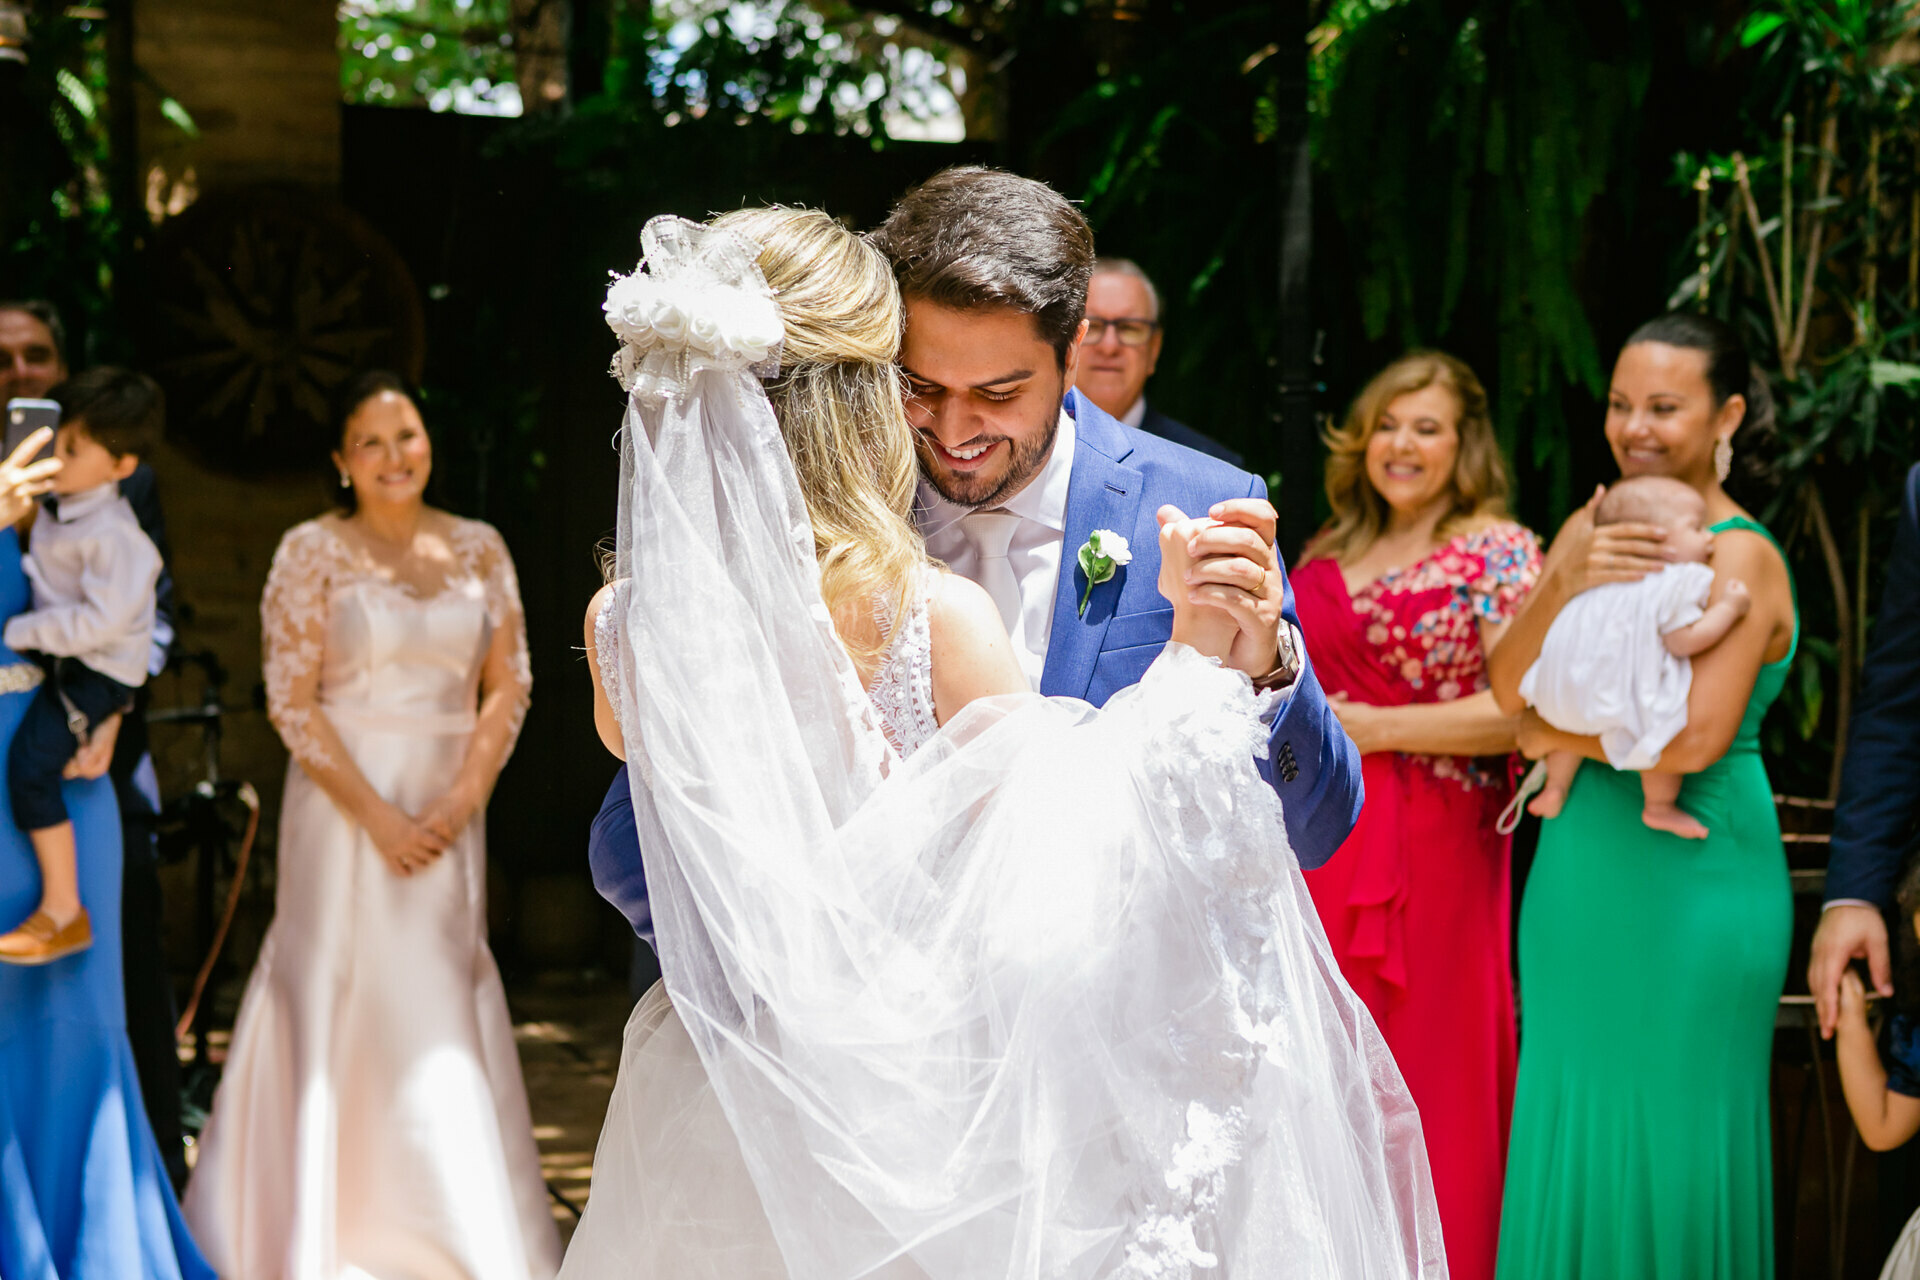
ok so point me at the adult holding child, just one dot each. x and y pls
(1401, 598)
(83, 1188)
(1653, 962)
(372, 1119)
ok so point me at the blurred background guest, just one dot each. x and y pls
(1122, 347)
(1652, 963)
(1401, 597)
(33, 360)
(372, 1119)
(1874, 820)
(83, 1190)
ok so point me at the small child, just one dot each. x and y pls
(1884, 1097)
(1617, 661)
(93, 573)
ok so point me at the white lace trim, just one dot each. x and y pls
(902, 690)
(313, 562)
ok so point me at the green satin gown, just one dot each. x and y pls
(1650, 972)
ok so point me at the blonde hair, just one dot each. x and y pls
(838, 403)
(1479, 480)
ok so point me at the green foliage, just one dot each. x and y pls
(1843, 354)
(1464, 148)
(64, 238)
(811, 67)
(1172, 153)
(443, 54)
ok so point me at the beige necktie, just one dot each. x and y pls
(991, 532)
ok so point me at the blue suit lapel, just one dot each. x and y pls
(1102, 494)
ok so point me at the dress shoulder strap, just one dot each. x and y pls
(1750, 525)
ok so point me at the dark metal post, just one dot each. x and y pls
(1297, 381)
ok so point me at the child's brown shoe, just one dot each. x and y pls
(40, 941)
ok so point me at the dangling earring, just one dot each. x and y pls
(346, 481)
(1723, 458)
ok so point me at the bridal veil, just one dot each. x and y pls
(1046, 1000)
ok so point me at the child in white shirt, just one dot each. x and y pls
(93, 573)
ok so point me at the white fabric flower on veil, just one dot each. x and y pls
(696, 301)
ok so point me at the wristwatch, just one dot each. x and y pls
(1287, 661)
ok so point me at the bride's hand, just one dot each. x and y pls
(1206, 628)
(22, 479)
(448, 816)
(406, 846)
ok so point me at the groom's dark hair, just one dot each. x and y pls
(975, 237)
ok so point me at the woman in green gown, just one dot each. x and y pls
(1650, 965)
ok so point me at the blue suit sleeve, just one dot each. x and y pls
(1311, 764)
(1880, 781)
(613, 851)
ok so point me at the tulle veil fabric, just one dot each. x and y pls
(1046, 1000)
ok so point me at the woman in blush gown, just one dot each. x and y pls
(83, 1191)
(372, 1122)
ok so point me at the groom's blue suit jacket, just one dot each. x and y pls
(1121, 477)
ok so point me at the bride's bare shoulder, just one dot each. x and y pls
(972, 657)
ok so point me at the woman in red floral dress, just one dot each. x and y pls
(1401, 597)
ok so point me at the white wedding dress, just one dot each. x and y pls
(1039, 995)
(371, 1123)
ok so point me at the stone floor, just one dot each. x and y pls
(569, 1035)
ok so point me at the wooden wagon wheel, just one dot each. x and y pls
(263, 302)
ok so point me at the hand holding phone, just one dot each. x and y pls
(24, 417)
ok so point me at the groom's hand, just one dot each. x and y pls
(1236, 570)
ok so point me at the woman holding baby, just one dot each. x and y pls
(1652, 951)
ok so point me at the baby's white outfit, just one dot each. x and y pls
(1604, 669)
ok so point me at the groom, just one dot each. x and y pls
(1019, 469)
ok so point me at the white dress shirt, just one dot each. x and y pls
(1033, 554)
(93, 572)
(1137, 414)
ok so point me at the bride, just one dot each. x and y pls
(960, 983)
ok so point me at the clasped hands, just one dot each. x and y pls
(1222, 576)
(409, 844)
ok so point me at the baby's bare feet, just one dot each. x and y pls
(1548, 803)
(1674, 820)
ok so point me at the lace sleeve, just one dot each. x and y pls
(509, 668)
(1509, 558)
(293, 629)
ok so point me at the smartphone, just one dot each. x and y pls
(24, 417)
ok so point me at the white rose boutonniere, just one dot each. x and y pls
(1101, 556)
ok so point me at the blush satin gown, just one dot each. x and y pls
(372, 1121)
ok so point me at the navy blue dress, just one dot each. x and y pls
(83, 1191)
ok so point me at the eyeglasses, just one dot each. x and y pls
(1133, 333)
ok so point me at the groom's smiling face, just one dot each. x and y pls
(983, 394)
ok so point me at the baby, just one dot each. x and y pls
(93, 573)
(1616, 663)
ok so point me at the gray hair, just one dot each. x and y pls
(1128, 267)
(48, 315)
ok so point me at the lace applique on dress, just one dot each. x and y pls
(902, 690)
(293, 628)
(313, 562)
(481, 551)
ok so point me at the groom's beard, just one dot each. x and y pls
(1026, 456)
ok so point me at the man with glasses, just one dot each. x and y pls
(1121, 349)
